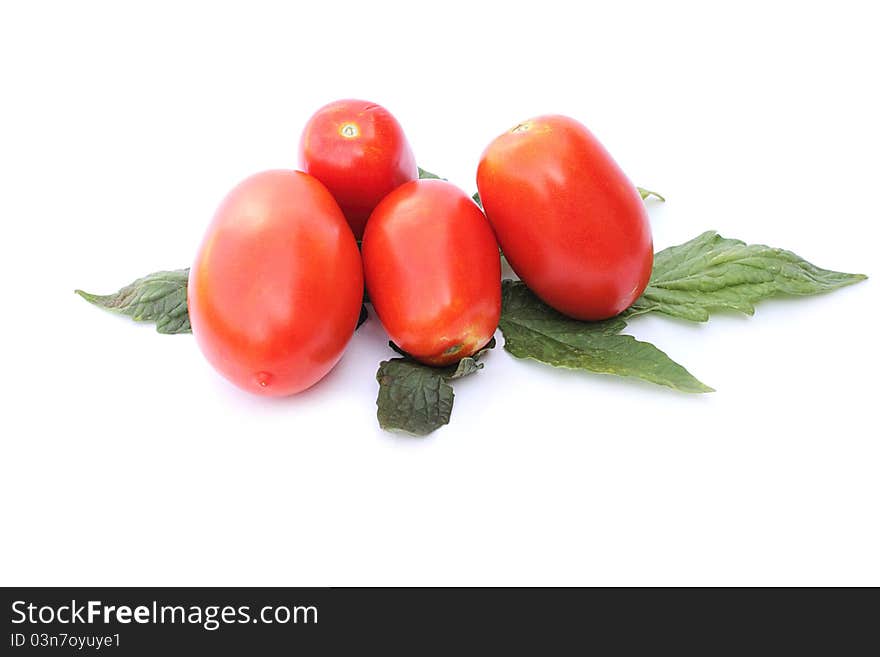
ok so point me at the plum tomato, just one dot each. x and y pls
(570, 223)
(359, 151)
(433, 271)
(276, 287)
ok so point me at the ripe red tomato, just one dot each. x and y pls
(433, 271)
(358, 150)
(570, 223)
(276, 287)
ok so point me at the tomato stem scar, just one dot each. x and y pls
(349, 130)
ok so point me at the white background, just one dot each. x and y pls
(126, 460)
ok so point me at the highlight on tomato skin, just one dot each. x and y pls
(569, 221)
(433, 271)
(360, 152)
(275, 291)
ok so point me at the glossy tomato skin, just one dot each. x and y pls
(570, 223)
(359, 151)
(433, 271)
(275, 290)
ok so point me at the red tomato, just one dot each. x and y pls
(276, 287)
(433, 271)
(570, 223)
(358, 150)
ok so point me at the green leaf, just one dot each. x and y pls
(477, 199)
(159, 298)
(534, 330)
(647, 193)
(427, 174)
(712, 273)
(417, 398)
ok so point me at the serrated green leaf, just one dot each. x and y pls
(428, 175)
(534, 330)
(412, 398)
(646, 193)
(711, 273)
(417, 398)
(159, 297)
